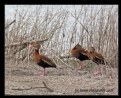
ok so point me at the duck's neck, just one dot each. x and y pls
(36, 51)
(91, 52)
(36, 55)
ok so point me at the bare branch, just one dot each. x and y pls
(25, 43)
(48, 88)
(81, 24)
(10, 24)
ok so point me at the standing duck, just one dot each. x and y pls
(79, 53)
(40, 59)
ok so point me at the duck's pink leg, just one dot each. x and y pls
(98, 71)
(81, 66)
(45, 72)
(41, 73)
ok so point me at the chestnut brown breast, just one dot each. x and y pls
(79, 53)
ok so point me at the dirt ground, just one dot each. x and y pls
(24, 79)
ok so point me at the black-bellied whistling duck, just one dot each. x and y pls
(40, 59)
(79, 53)
(95, 57)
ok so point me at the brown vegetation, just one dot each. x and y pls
(58, 31)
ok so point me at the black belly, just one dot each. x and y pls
(43, 64)
(83, 57)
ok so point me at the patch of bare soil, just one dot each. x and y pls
(26, 80)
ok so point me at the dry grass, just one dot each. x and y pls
(86, 25)
(26, 80)
(66, 28)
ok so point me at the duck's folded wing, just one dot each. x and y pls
(48, 61)
(98, 59)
